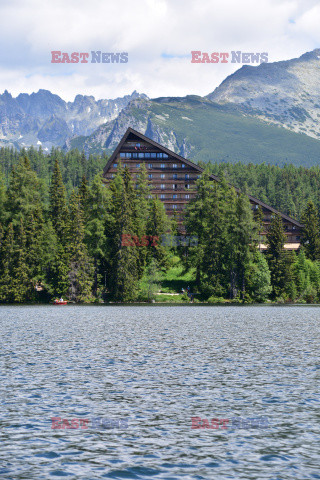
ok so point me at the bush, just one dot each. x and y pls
(214, 299)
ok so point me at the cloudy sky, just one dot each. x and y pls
(158, 35)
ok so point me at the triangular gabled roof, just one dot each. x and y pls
(191, 164)
(154, 144)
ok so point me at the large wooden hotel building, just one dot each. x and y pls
(172, 178)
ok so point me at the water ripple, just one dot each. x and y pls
(156, 367)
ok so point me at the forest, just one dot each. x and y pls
(62, 231)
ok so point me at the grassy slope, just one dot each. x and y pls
(219, 133)
(222, 134)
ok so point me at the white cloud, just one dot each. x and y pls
(158, 35)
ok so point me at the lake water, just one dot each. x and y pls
(149, 370)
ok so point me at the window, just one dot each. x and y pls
(112, 176)
(134, 155)
(187, 176)
(159, 155)
(153, 155)
(174, 165)
(162, 186)
(147, 155)
(162, 175)
(174, 176)
(122, 155)
(138, 165)
(187, 197)
(175, 186)
(187, 186)
(175, 196)
(128, 155)
(174, 207)
(150, 175)
(150, 165)
(115, 165)
(183, 165)
(149, 196)
(165, 155)
(162, 165)
(141, 155)
(198, 176)
(162, 196)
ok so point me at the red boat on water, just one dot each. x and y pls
(60, 302)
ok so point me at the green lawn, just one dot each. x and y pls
(176, 278)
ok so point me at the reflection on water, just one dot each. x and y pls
(155, 368)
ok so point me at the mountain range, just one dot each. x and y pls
(267, 113)
(43, 118)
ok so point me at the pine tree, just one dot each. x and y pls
(58, 204)
(25, 192)
(258, 216)
(142, 208)
(197, 222)
(3, 197)
(123, 275)
(275, 255)
(98, 216)
(6, 265)
(276, 237)
(23, 289)
(311, 235)
(218, 261)
(83, 194)
(156, 227)
(242, 240)
(80, 264)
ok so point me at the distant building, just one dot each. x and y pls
(172, 178)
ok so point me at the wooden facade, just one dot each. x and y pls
(172, 178)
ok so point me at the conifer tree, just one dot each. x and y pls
(142, 207)
(23, 289)
(25, 192)
(258, 217)
(243, 240)
(275, 254)
(311, 235)
(3, 195)
(6, 265)
(218, 262)
(58, 204)
(197, 221)
(98, 201)
(80, 265)
(156, 227)
(124, 258)
(276, 237)
(84, 193)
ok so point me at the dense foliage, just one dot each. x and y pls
(67, 239)
(288, 189)
(73, 164)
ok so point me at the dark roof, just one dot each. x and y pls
(191, 164)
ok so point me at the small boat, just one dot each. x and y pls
(60, 302)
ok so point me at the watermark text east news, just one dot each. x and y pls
(83, 57)
(226, 57)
